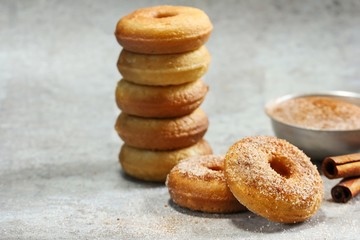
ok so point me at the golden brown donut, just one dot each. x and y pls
(163, 30)
(198, 183)
(162, 133)
(274, 179)
(160, 70)
(160, 102)
(155, 165)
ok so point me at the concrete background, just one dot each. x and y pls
(59, 174)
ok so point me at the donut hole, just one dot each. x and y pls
(281, 166)
(215, 168)
(164, 14)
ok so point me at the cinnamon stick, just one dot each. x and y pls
(346, 189)
(342, 166)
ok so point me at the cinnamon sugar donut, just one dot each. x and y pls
(198, 183)
(160, 102)
(274, 179)
(163, 30)
(161, 70)
(164, 133)
(155, 165)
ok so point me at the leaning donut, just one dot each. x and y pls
(162, 133)
(163, 30)
(155, 165)
(162, 70)
(274, 179)
(198, 183)
(160, 102)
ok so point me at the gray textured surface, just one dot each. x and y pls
(59, 175)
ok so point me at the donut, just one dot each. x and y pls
(155, 165)
(162, 133)
(163, 30)
(160, 70)
(274, 179)
(198, 183)
(160, 102)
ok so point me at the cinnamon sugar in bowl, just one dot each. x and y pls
(321, 124)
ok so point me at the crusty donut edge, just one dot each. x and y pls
(154, 166)
(168, 133)
(159, 102)
(163, 70)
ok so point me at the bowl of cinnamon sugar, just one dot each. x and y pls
(321, 124)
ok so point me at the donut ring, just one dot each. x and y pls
(155, 165)
(274, 179)
(198, 183)
(163, 30)
(161, 70)
(160, 102)
(162, 134)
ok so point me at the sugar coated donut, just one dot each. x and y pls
(160, 70)
(198, 183)
(163, 30)
(162, 133)
(155, 165)
(160, 102)
(274, 179)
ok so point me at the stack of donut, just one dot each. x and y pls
(162, 62)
